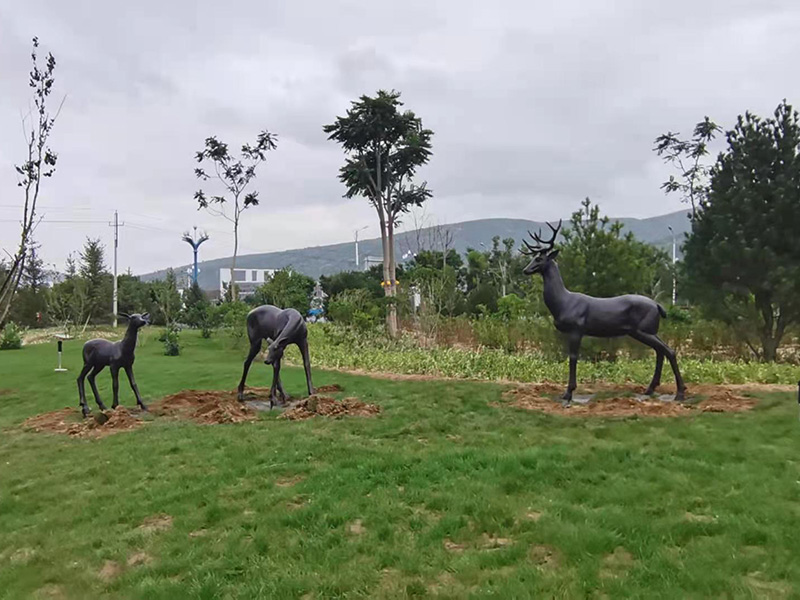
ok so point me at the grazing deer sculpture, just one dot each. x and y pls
(578, 315)
(99, 354)
(280, 327)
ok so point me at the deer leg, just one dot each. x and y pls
(134, 387)
(657, 344)
(92, 375)
(82, 389)
(574, 342)
(115, 386)
(276, 377)
(255, 348)
(657, 374)
(303, 345)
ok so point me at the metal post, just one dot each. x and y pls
(356, 237)
(59, 369)
(116, 245)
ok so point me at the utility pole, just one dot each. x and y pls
(116, 225)
(356, 236)
(674, 273)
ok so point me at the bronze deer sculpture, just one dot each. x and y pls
(577, 315)
(280, 327)
(99, 354)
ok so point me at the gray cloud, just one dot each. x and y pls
(534, 106)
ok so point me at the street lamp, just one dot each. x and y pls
(674, 273)
(355, 233)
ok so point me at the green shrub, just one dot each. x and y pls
(171, 338)
(11, 337)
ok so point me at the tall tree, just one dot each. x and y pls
(384, 146)
(743, 255)
(165, 295)
(687, 156)
(235, 176)
(98, 280)
(40, 162)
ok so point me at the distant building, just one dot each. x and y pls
(371, 261)
(247, 280)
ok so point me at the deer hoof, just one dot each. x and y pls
(680, 396)
(650, 391)
(566, 404)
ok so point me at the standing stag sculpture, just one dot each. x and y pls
(577, 315)
(99, 354)
(280, 327)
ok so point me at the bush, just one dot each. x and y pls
(11, 337)
(171, 338)
(355, 307)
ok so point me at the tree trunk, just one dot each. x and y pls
(234, 295)
(391, 289)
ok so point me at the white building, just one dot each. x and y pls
(247, 280)
(371, 261)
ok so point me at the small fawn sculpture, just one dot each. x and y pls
(280, 327)
(578, 315)
(99, 354)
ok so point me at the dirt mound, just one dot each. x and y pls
(539, 397)
(325, 406)
(208, 407)
(100, 424)
(329, 389)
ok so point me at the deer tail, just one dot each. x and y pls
(661, 311)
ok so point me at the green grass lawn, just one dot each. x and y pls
(441, 495)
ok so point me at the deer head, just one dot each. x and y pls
(136, 319)
(543, 252)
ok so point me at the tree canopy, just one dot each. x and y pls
(743, 255)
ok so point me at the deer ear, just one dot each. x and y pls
(146, 316)
(124, 315)
(553, 254)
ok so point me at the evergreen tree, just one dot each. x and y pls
(97, 280)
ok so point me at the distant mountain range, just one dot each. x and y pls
(326, 260)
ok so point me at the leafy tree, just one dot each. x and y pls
(384, 148)
(352, 280)
(743, 255)
(30, 306)
(286, 289)
(97, 279)
(597, 259)
(195, 306)
(166, 297)
(235, 175)
(134, 295)
(687, 156)
(40, 162)
(501, 262)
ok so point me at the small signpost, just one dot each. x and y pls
(60, 339)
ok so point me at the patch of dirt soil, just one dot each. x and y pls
(111, 570)
(330, 389)
(617, 563)
(545, 557)
(208, 407)
(100, 424)
(156, 523)
(713, 398)
(325, 406)
(140, 558)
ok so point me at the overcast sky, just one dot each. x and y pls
(534, 105)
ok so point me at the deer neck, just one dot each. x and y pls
(129, 341)
(555, 293)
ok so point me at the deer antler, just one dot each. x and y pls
(543, 245)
